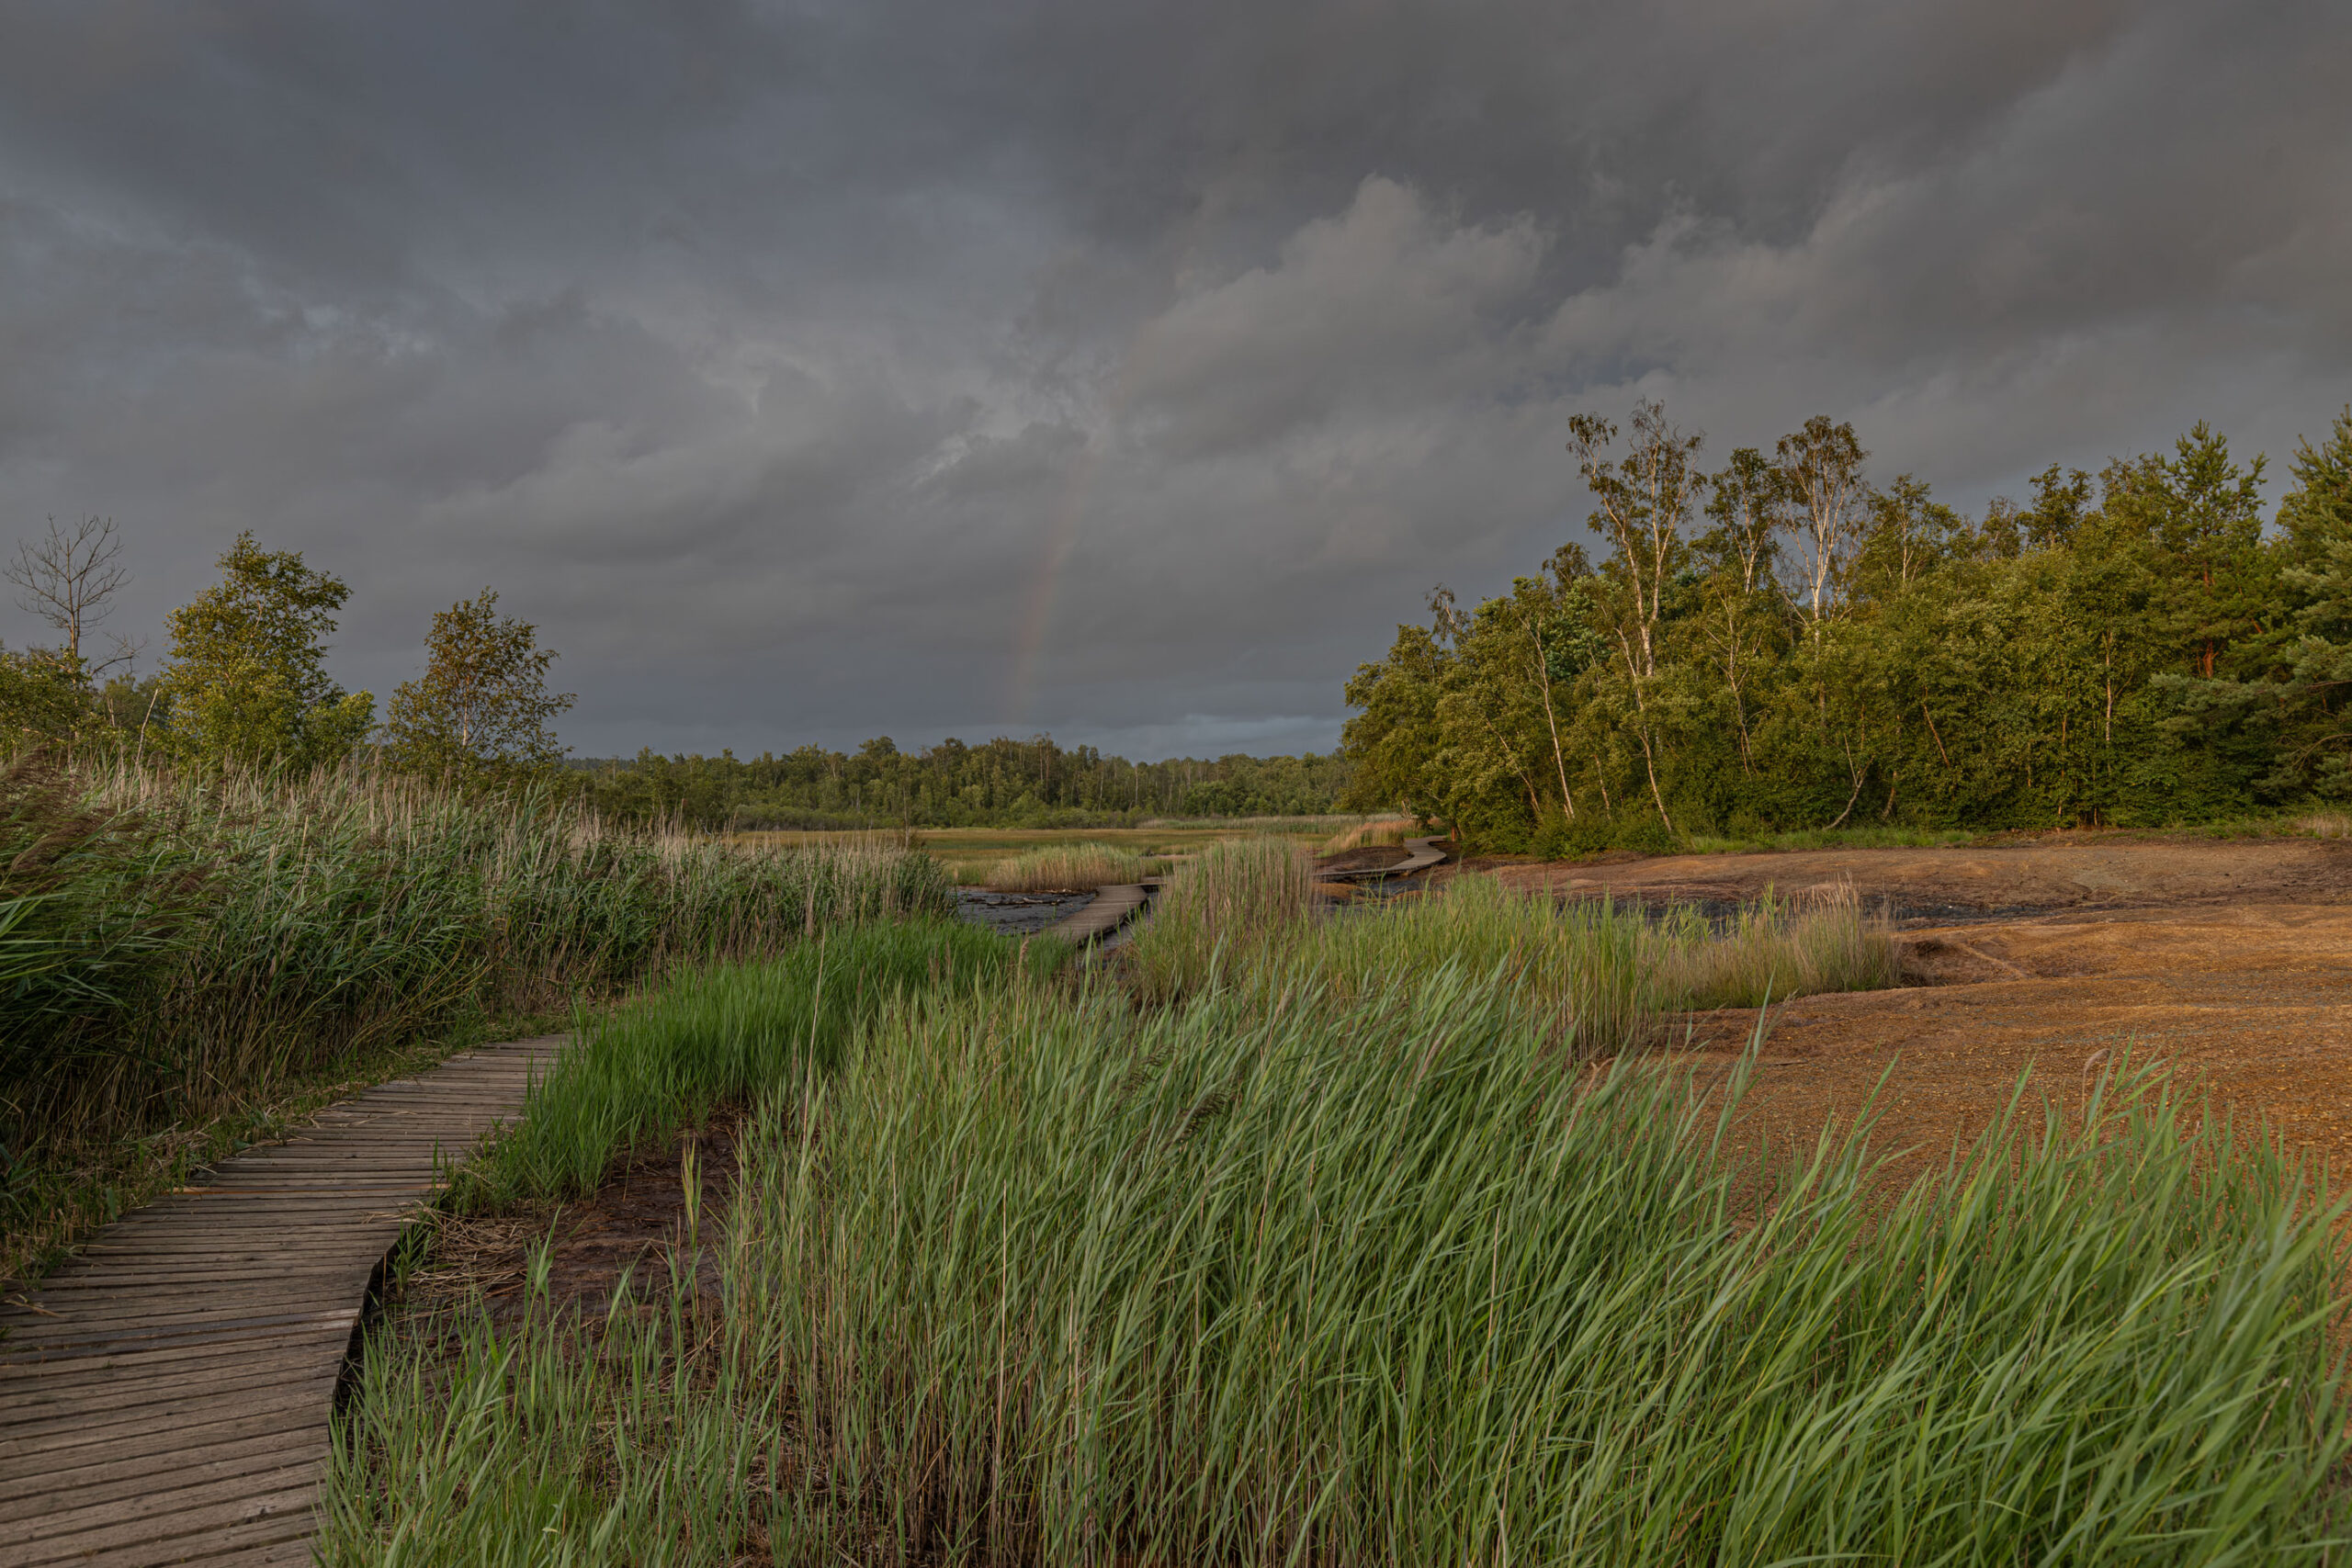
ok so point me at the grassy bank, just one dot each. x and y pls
(1870, 838)
(1364, 835)
(1241, 914)
(1058, 868)
(1044, 1277)
(972, 852)
(188, 958)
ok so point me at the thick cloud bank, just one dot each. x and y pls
(817, 370)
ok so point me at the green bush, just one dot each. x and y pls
(1556, 836)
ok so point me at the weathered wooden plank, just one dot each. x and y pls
(193, 1275)
(106, 1521)
(183, 1327)
(87, 1397)
(83, 1365)
(264, 1541)
(273, 1516)
(182, 1242)
(108, 1482)
(113, 1467)
(24, 1447)
(1111, 907)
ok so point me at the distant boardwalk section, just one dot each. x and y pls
(165, 1398)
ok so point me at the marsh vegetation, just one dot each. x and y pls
(1374, 1237)
(192, 959)
(1062, 868)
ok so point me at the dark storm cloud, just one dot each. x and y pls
(819, 370)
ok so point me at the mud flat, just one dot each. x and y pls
(2228, 963)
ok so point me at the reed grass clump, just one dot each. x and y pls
(187, 948)
(1380, 830)
(1236, 899)
(1608, 975)
(1776, 946)
(1064, 868)
(1041, 1279)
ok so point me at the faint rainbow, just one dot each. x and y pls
(1044, 586)
(1061, 530)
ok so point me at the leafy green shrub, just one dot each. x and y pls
(1557, 837)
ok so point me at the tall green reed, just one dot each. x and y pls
(1236, 899)
(1608, 974)
(1378, 1285)
(1050, 1281)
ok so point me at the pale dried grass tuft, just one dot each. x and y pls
(1380, 830)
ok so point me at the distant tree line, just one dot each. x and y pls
(245, 685)
(1005, 782)
(1782, 643)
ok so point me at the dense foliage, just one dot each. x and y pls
(247, 682)
(1006, 782)
(480, 713)
(1783, 645)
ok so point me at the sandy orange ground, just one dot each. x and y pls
(2228, 963)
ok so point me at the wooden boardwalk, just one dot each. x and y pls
(1421, 854)
(1112, 908)
(165, 1398)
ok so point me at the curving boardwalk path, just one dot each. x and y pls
(1112, 908)
(165, 1398)
(1421, 854)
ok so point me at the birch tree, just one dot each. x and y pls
(1820, 472)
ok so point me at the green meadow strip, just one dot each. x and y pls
(726, 1036)
(1240, 914)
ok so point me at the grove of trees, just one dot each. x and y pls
(247, 685)
(1781, 644)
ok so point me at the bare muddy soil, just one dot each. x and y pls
(1924, 886)
(632, 1226)
(2228, 963)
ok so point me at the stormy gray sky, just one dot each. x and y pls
(819, 370)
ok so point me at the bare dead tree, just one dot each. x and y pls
(68, 577)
